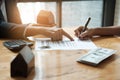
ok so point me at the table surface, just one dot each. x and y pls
(62, 65)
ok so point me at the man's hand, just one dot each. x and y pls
(84, 35)
(58, 33)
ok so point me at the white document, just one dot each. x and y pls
(64, 45)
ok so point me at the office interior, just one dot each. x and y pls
(70, 14)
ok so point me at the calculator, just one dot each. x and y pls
(95, 56)
(16, 45)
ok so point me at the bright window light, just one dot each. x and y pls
(29, 11)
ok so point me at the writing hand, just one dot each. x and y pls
(84, 35)
(78, 31)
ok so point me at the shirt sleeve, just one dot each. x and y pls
(12, 30)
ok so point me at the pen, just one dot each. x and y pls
(86, 24)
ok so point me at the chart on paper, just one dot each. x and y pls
(64, 45)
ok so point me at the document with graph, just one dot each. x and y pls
(64, 45)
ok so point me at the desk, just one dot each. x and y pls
(62, 65)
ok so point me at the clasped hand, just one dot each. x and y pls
(56, 33)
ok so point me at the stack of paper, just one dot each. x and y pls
(64, 45)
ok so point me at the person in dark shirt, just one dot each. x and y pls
(21, 31)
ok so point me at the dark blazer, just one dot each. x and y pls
(7, 29)
(4, 26)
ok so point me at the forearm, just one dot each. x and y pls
(113, 30)
(22, 31)
(33, 30)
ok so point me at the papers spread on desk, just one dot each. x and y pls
(64, 45)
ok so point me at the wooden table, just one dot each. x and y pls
(62, 65)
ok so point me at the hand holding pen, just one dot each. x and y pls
(82, 32)
(85, 27)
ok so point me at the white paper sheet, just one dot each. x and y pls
(64, 45)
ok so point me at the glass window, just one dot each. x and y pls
(30, 10)
(70, 13)
(76, 13)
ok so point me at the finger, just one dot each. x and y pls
(77, 33)
(67, 35)
(84, 36)
(52, 33)
(60, 35)
(57, 35)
